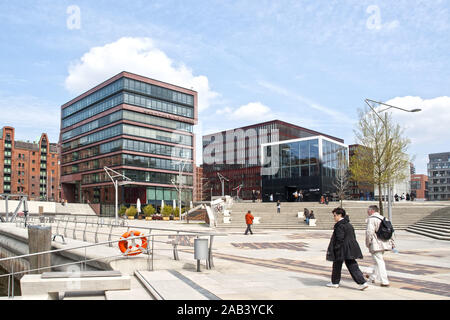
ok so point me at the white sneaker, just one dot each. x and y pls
(332, 285)
(363, 286)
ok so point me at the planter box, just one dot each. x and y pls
(148, 218)
(166, 218)
(177, 218)
(131, 217)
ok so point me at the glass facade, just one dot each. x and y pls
(132, 92)
(139, 176)
(130, 145)
(309, 165)
(131, 130)
(126, 160)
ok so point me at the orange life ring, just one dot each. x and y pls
(134, 249)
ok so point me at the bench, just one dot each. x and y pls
(48, 285)
(226, 219)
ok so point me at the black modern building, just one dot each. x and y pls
(307, 164)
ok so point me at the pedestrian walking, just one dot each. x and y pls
(249, 221)
(300, 196)
(278, 206)
(343, 247)
(377, 247)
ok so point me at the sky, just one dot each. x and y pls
(310, 63)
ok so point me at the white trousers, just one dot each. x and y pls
(379, 269)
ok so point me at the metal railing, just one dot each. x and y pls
(177, 237)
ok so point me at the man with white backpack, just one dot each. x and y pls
(379, 239)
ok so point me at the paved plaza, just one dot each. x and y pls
(290, 264)
(276, 265)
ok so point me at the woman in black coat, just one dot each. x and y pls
(344, 247)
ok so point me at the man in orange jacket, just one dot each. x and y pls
(249, 221)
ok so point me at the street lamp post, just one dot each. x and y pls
(115, 176)
(385, 126)
(222, 180)
(179, 188)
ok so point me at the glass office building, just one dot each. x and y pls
(244, 169)
(139, 127)
(307, 164)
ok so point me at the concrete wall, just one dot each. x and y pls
(49, 207)
(33, 206)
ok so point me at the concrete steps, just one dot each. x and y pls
(404, 215)
(436, 225)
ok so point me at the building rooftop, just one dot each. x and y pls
(283, 123)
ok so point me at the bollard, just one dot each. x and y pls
(200, 251)
(39, 240)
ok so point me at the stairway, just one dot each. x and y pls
(436, 225)
(403, 215)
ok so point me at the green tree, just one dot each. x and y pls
(167, 211)
(382, 158)
(149, 210)
(131, 211)
(122, 210)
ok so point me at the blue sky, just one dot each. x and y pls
(310, 63)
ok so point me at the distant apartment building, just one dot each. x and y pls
(439, 176)
(139, 127)
(419, 186)
(29, 168)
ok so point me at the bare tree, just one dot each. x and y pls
(341, 182)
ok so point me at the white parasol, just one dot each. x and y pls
(138, 205)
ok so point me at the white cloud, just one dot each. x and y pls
(252, 111)
(136, 55)
(428, 129)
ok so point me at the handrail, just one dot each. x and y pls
(148, 251)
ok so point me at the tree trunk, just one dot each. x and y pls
(380, 202)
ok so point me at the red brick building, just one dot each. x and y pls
(199, 184)
(30, 168)
(419, 186)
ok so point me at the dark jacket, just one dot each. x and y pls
(343, 244)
